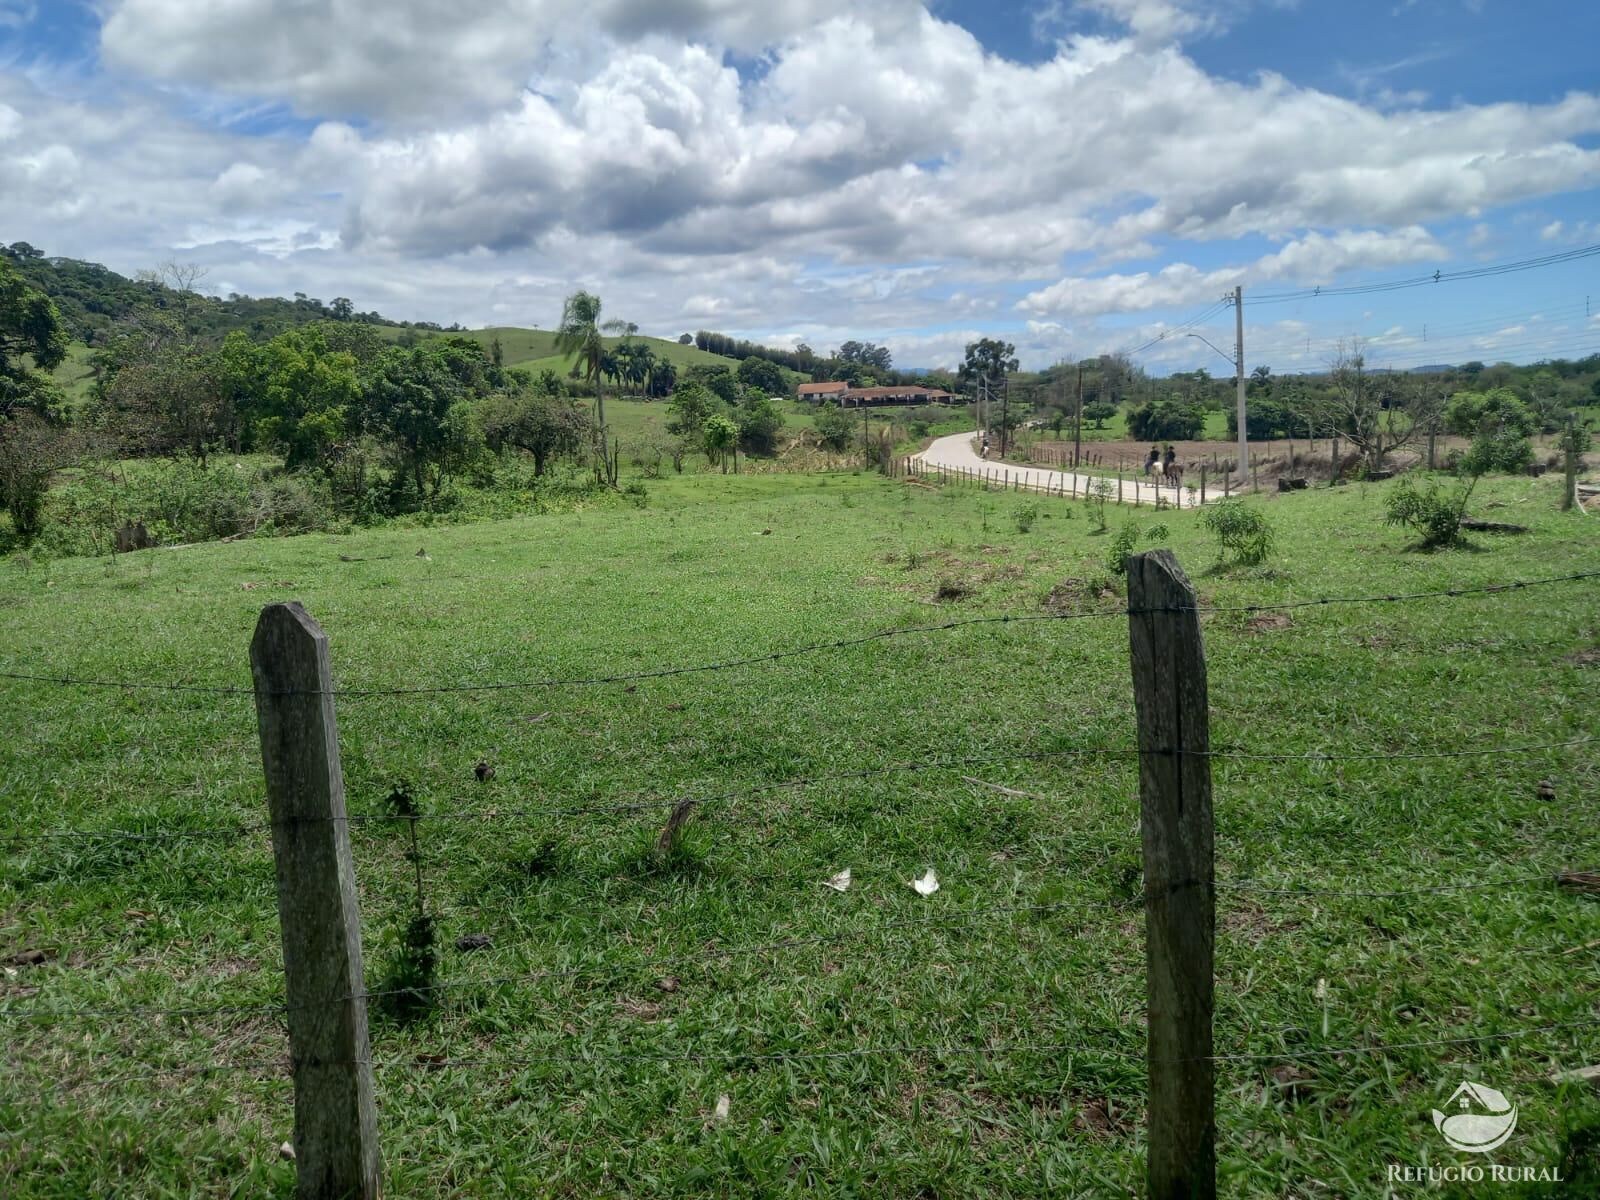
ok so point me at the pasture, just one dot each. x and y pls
(984, 1040)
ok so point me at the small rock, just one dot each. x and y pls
(286, 1152)
(28, 958)
(483, 771)
(1547, 790)
(667, 983)
(474, 941)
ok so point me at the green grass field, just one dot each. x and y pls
(75, 375)
(556, 1063)
(535, 349)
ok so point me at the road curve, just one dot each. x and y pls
(956, 453)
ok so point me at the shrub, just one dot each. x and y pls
(1166, 421)
(1157, 533)
(1121, 546)
(1434, 514)
(1242, 532)
(1026, 515)
(1094, 500)
(1498, 450)
(835, 428)
(31, 451)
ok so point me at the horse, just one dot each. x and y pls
(1173, 475)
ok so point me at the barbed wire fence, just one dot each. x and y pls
(324, 1005)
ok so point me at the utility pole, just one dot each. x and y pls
(1077, 422)
(1005, 413)
(1244, 437)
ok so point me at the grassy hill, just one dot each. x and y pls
(534, 349)
(985, 1040)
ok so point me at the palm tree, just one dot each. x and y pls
(581, 333)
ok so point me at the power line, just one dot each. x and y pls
(1363, 289)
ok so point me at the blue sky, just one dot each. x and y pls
(1075, 177)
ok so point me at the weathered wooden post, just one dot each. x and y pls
(1169, 692)
(1202, 483)
(1569, 486)
(335, 1117)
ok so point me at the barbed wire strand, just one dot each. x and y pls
(811, 648)
(1261, 887)
(1091, 1043)
(713, 954)
(667, 802)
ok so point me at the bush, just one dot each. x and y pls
(1121, 546)
(835, 428)
(1166, 421)
(1434, 514)
(1242, 532)
(1094, 500)
(31, 451)
(1026, 515)
(1499, 450)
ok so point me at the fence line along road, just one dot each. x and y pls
(955, 458)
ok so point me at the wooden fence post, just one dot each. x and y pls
(1202, 483)
(1169, 692)
(1569, 484)
(335, 1117)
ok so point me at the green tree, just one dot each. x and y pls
(582, 334)
(719, 379)
(1098, 412)
(719, 436)
(1472, 414)
(663, 377)
(759, 422)
(308, 396)
(691, 404)
(32, 450)
(1170, 420)
(32, 342)
(534, 420)
(411, 404)
(990, 358)
(763, 373)
(835, 428)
